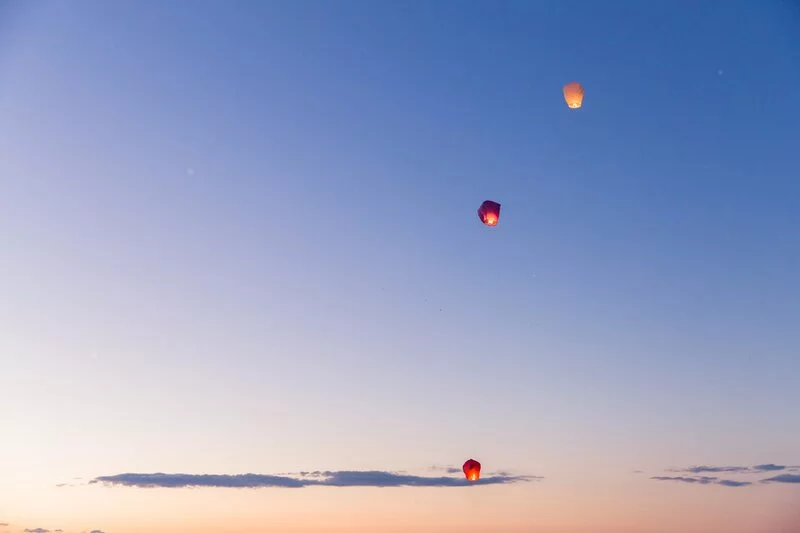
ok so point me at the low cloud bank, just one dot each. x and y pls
(342, 478)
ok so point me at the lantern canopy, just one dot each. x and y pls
(472, 470)
(489, 213)
(573, 94)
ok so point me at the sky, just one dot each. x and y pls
(245, 288)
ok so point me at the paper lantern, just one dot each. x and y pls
(489, 213)
(573, 94)
(472, 469)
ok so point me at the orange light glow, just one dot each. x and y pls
(489, 213)
(472, 469)
(573, 94)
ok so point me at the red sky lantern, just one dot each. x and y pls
(489, 212)
(472, 469)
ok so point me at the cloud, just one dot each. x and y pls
(200, 480)
(377, 478)
(4, 524)
(96, 531)
(714, 469)
(757, 469)
(345, 478)
(450, 469)
(703, 480)
(783, 478)
(769, 467)
(788, 475)
(733, 483)
(37, 530)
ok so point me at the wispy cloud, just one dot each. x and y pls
(714, 469)
(199, 480)
(450, 469)
(695, 479)
(733, 483)
(772, 468)
(96, 531)
(344, 478)
(757, 469)
(703, 480)
(377, 478)
(783, 478)
(37, 530)
(683, 479)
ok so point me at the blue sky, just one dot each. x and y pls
(242, 237)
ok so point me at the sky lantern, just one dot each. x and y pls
(472, 469)
(573, 94)
(489, 212)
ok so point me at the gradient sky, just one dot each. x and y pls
(241, 237)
